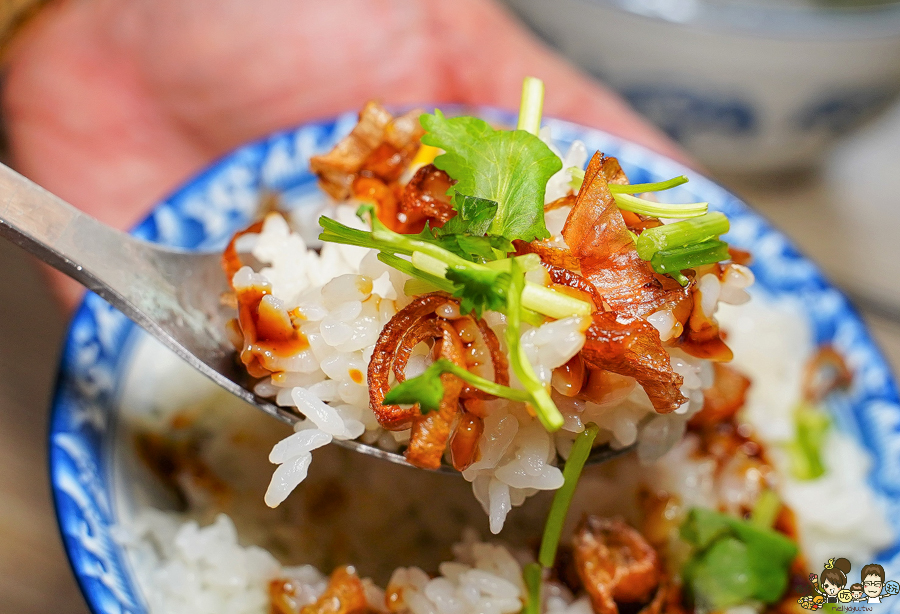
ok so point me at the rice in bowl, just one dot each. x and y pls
(329, 310)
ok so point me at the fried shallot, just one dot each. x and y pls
(598, 237)
(565, 277)
(380, 145)
(394, 417)
(723, 399)
(425, 196)
(615, 564)
(701, 337)
(550, 254)
(430, 433)
(464, 441)
(631, 346)
(345, 594)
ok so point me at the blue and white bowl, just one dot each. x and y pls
(94, 490)
(745, 85)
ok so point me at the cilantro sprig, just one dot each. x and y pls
(734, 561)
(429, 261)
(543, 406)
(670, 248)
(508, 167)
(465, 233)
(427, 390)
(556, 517)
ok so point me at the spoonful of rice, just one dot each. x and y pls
(476, 302)
(174, 295)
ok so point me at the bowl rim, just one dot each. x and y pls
(767, 20)
(631, 154)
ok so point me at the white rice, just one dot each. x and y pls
(838, 512)
(186, 568)
(347, 295)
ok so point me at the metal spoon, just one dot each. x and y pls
(172, 294)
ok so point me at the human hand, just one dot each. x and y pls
(112, 103)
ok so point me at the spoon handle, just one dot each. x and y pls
(59, 234)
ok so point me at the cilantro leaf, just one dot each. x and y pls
(466, 246)
(474, 216)
(479, 290)
(510, 167)
(734, 561)
(426, 389)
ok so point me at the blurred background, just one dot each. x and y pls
(790, 104)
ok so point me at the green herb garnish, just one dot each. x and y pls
(509, 167)
(627, 202)
(430, 262)
(765, 510)
(562, 498)
(805, 451)
(532, 105)
(734, 561)
(690, 256)
(556, 517)
(464, 234)
(543, 406)
(533, 574)
(427, 390)
(671, 248)
(679, 234)
(624, 197)
(640, 188)
(478, 290)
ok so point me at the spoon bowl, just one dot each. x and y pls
(173, 294)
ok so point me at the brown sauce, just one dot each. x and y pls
(268, 333)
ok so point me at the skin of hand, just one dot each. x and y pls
(111, 104)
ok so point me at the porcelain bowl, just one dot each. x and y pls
(111, 370)
(746, 87)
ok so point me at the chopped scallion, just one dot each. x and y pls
(577, 175)
(679, 234)
(532, 105)
(627, 202)
(811, 427)
(640, 188)
(689, 256)
(765, 510)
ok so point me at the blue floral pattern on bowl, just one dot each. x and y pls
(204, 214)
